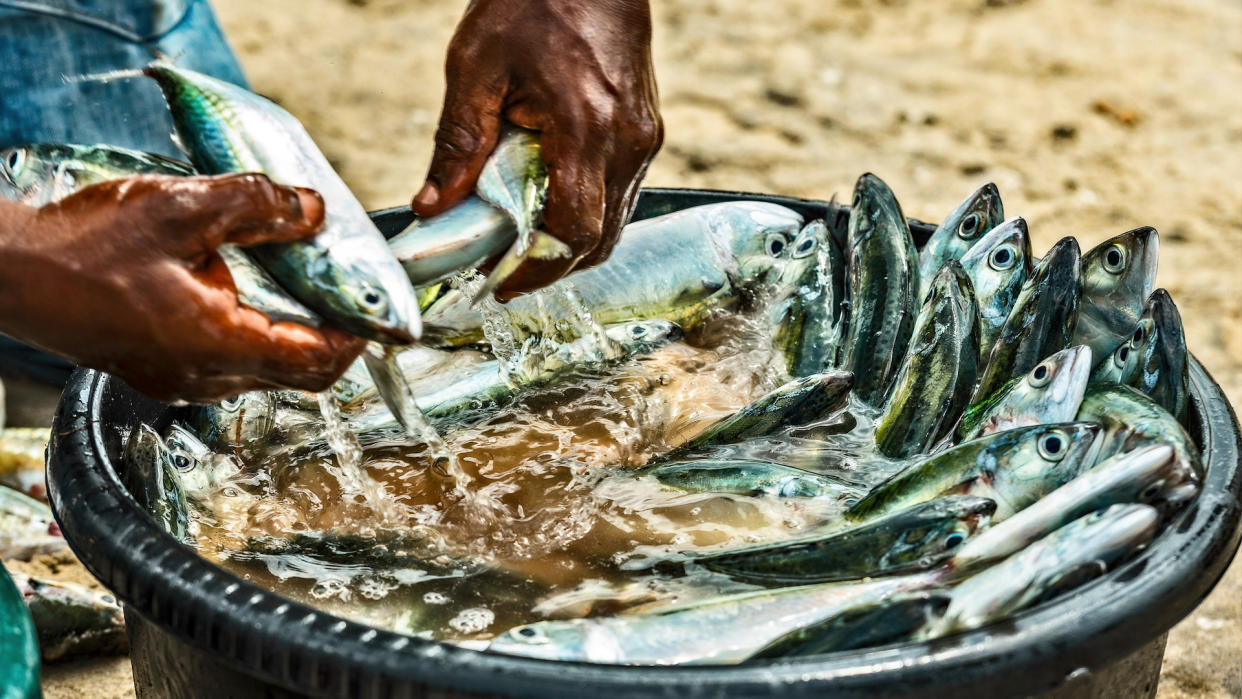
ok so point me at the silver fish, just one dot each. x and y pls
(1118, 275)
(809, 323)
(998, 265)
(1051, 392)
(42, 173)
(1130, 420)
(1153, 359)
(346, 273)
(959, 232)
(72, 620)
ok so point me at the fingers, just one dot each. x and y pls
(467, 134)
(291, 355)
(247, 210)
(639, 141)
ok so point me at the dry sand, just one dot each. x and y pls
(1092, 116)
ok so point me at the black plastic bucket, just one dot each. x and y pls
(197, 630)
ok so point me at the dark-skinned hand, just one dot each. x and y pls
(123, 277)
(578, 71)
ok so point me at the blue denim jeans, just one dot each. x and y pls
(49, 52)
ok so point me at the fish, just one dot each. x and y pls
(681, 267)
(45, 173)
(27, 527)
(1130, 419)
(1083, 549)
(809, 323)
(909, 539)
(1153, 359)
(1117, 277)
(959, 232)
(199, 471)
(799, 402)
(725, 629)
(345, 274)
(1014, 468)
(746, 477)
(939, 370)
(501, 215)
(1042, 320)
(22, 454)
(890, 620)
(1148, 475)
(42, 173)
(883, 288)
(150, 477)
(998, 265)
(1051, 392)
(72, 620)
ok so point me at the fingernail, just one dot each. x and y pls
(428, 196)
(312, 207)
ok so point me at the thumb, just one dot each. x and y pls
(468, 131)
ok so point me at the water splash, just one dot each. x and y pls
(343, 442)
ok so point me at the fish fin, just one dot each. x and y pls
(542, 247)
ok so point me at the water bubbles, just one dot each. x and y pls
(435, 598)
(472, 620)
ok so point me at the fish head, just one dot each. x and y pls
(997, 266)
(237, 422)
(1156, 477)
(1122, 268)
(198, 470)
(563, 640)
(1021, 465)
(1153, 359)
(643, 336)
(757, 238)
(1051, 392)
(966, 225)
(368, 297)
(936, 528)
(36, 174)
(874, 207)
(12, 171)
(1104, 536)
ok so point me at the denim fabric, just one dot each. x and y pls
(48, 50)
(47, 94)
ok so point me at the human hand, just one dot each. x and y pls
(580, 73)
(123, 277)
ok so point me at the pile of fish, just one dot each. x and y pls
(1026, 413)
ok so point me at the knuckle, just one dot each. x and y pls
(456, 141)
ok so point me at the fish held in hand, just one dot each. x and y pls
(345, 273)
(883, 288)
(959, 232)
(939, 370)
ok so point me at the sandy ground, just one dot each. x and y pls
(1092, 116)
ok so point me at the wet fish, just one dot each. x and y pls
(502, 215)
(933, 385)
(27, 527)
(891, 620)
(198, 470)
(809, 323)
(1130, 420)
(43, 173)
(909, 539)
(883, 288)
(1051, 392)
(1149, 475)
(1015, 468)
(799, 402)
(998, 265)
(1118, 276)
(72, 620)
(680, 267)
(747, 477)
(346, 274)
(22, 451)
(1078, 551)
(1042, 320)
(958, 233)
(150, 477)
(1153, 359)
(723, 630)
(49, 172)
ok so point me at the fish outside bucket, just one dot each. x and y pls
(198, 630)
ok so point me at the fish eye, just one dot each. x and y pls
(1120, 356)
(1151, 491)
(1115, 259)
(13, 162)
(775, 244)
(1053, 445)
(1041, 375)
(371, 299)
(804, 248)
(970, 226)
(1137, 337)
(857, 200)
(181, 462)
(638, 331)
(231, 404)
(954, 540)
(1002, 258)
(530, 634)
